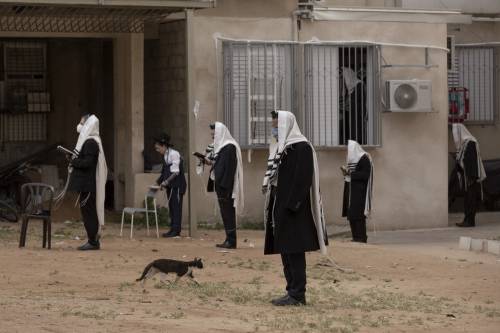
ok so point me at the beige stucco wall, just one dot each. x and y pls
(488, 135)
(410, 183)
(411, 167)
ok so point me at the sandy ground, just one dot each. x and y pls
(392, 287)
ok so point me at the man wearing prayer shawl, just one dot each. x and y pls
(88, 174)
(470, 171)
(294, 216)
(227, 175)
(358, 178)
(172, 179)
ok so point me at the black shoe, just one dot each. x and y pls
(289, 301)
(465, 225)
(88, 246)
(279, 299)
(226, 245)
(171, 234)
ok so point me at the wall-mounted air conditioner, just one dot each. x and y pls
(409, 95)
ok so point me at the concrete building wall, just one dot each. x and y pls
(165, 87)
(410, 168)
(410, 183)
(488, 135)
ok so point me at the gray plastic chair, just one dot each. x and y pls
(146, 210)
(36, 204)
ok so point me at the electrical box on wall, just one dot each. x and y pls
(409, 96)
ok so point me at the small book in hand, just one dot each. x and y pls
(199, 155)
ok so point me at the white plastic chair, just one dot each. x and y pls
(132, 211)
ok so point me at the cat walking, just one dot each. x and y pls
(165, 266)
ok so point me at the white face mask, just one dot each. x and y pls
(79, 128)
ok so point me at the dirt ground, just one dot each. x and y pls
(390, 289)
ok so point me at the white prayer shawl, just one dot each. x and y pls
(462, 137)
(222, 138)
(90, 130)
(354, 153)
(289, 134)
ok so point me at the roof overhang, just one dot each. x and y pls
(158, 4)
(389, 15)
(95, 16)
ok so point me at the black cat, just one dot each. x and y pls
(165, 266)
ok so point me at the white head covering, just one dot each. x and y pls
(222, 138)
(90, 130)
(289, 134)
(354, 154)
(461, 137)
(288, 131)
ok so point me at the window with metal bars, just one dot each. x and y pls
(24, 97)
(476, 72)
(258, 78)
(331, 89)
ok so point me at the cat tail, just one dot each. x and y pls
(146, 270)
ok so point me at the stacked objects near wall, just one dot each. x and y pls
(481, 245)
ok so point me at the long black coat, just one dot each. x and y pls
(84, 168)
(294, 230)
(355, 191)
(225, 171)
(470, 165)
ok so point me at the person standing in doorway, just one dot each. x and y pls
(88, 178)
(294, 215)
(358, 176)
(470, 171)
(173, 180)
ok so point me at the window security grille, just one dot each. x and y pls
(258, 78)
(336, 87)
(476, 68)
(24, 100)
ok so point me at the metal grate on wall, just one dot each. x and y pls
(258, 78)
(24, 95)
(476, 72)
(331, 90)
(77, 19)
(339, 95)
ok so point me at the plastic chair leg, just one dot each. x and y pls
(44, 237)
(157, 230)
(24, 227)
(132, 226)
(121, 228)
(147, 223)
(49, 232)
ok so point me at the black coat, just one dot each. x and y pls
(294, 229)
(470, 165)
(179, 181)
(355, 191)
(225, 171)
(84, 168)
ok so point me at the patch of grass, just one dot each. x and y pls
(6, 232)
(125, 285)
(205, 225)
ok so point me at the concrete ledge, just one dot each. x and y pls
(480, 245)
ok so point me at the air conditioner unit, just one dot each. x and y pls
(409, 95)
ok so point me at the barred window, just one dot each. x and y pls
(257, 80)
(331, 90)
(476, 66)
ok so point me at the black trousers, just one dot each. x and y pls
(294, 268)
(175, 208)
(471, 200)
(89, 215)
(228, 214)
(358, 230)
